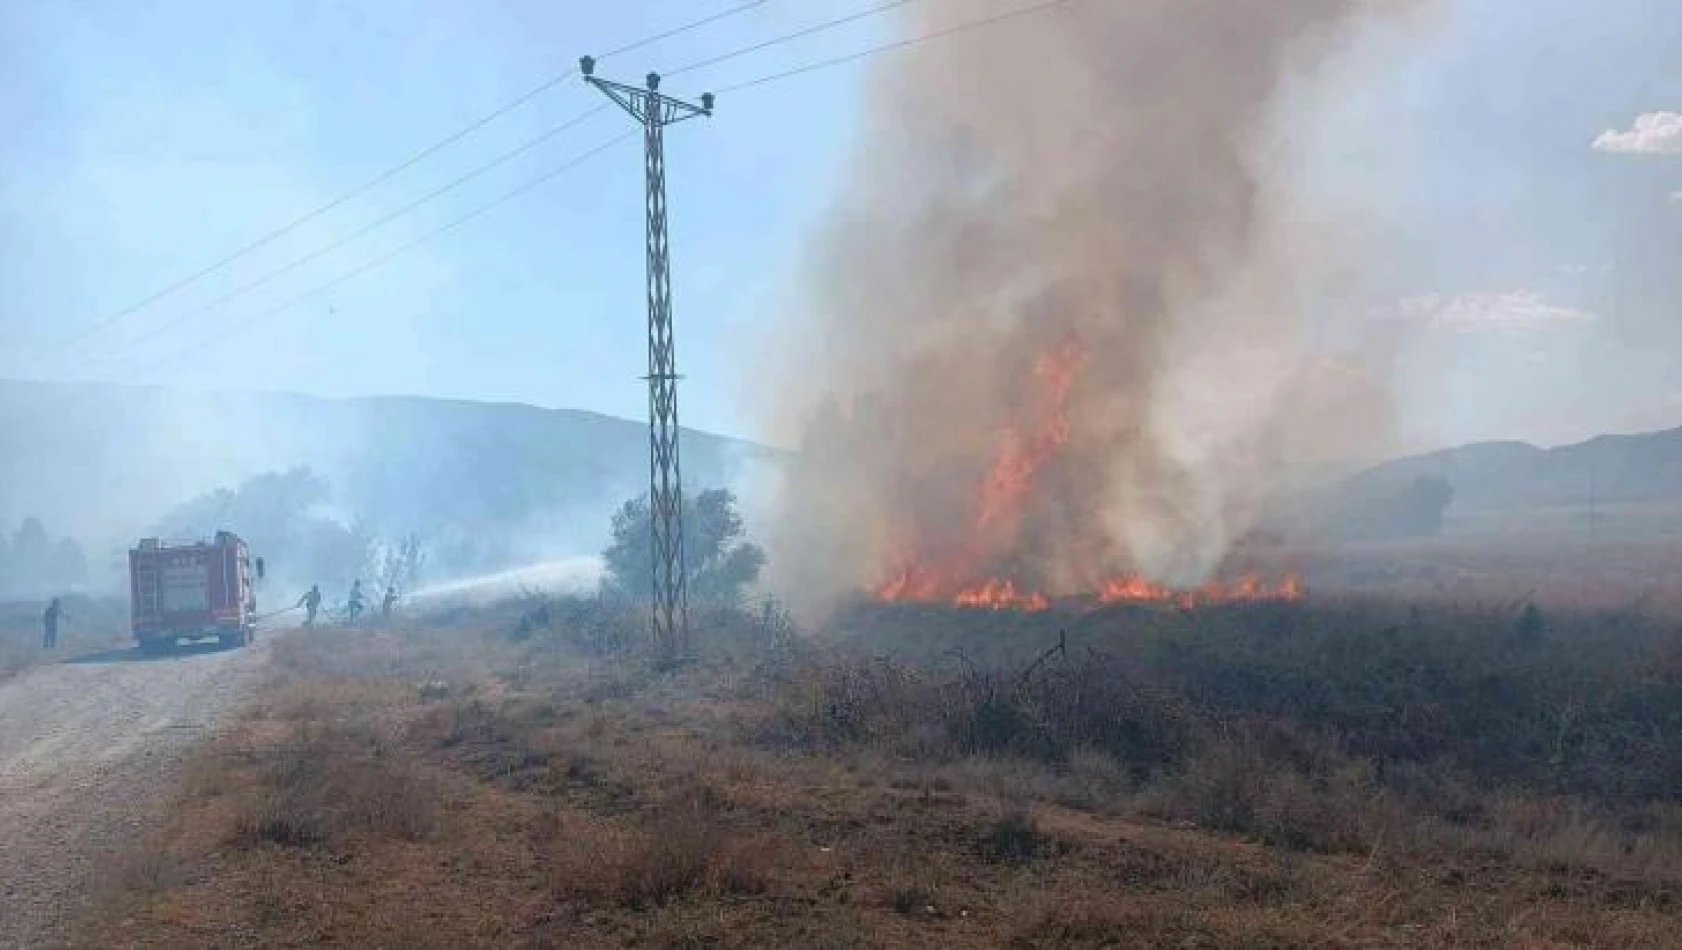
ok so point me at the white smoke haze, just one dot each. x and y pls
(1100, 193)
(485, 489)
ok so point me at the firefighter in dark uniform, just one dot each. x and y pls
(49, 624)
(311, 602)
(389, 602)
(353, 603)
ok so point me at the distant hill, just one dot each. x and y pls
(1612, 469)
(104, 462)
(1499, 481)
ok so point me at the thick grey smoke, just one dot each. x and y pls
(1065, 304)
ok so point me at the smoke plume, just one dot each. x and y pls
(1059, 305)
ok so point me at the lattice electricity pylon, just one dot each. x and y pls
(670, 623)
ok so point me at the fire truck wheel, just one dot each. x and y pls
(234, 640)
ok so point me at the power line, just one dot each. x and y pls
(896, 45)
(320, 252)
(400, 167)
(749, 84)
(678, 30)
(404, 248)
(148, 335)
(786, 38)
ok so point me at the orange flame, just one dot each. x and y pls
(1025, 447)
(1000, 595)
(1132, 589)
(912, 585)
(914, 582)
(1010, 481)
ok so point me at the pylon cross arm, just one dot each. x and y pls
(641, 103)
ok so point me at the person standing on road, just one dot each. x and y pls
(49, 624)
(311, 602)
(389, 602)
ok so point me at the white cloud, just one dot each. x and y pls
(1518, 311)
(1654, 133)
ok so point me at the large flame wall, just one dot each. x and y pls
(1059, 310)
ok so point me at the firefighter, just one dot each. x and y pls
(311, 602)
(49, 624)
(353, 603)
(389, 602)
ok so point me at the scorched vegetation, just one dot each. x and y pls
(1279, 773)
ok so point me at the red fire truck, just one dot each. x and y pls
(192, 590)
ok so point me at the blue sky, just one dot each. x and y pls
(147, 138)
(157, 136)
(1474, 145)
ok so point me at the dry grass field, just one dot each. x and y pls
(1338, 773)
(1613, 557)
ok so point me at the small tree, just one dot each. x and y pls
(70, 565)
(33, 564)
(720, 565)
(399, 565)
(1424, 505)
(1416, 509)
(32, 556)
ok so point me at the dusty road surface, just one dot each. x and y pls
(89, 751)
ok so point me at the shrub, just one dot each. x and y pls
(594, 625)
(678, 849)
(910, 898)
(331, 782)
(1013, 838)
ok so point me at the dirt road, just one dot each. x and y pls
(89, 750)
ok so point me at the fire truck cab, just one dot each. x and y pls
(192, 590)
